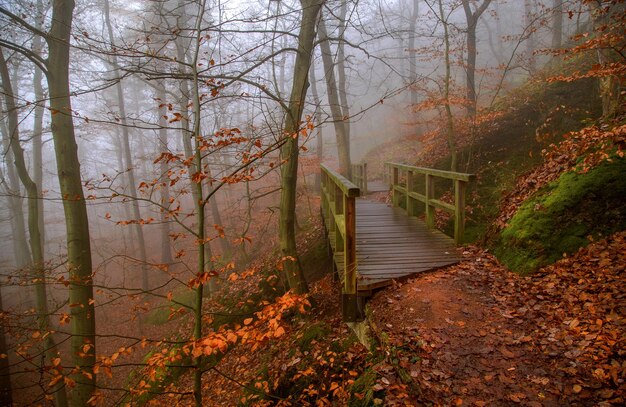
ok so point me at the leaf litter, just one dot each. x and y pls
(477, 334)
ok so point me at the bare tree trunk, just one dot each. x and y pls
(530, 41)
(6, 391)
(129, 244)
(472, 18)
(83, 322)
(36, 247)
(318, 124)
(610, 84)
(217, 219)
(333, 100)
(38, 124)
(446, 95)
(557, 23)
(166, 252)
(290, 148)
(130, 171)
(412, 51)
(18, 229)
(341, 78)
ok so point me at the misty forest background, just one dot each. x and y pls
(159, 182)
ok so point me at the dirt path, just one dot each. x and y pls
(476, 334)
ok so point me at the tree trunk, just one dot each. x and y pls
(6, 392)
(609, 84)
(83, 323)
(557, 23)
(41, 298)
(128, 161)
(18, 229)
(166, 252)
(530, 41)
(289, 150)
(446, 95)
(318, 125)
(333, 100)
(413, 52)
(341, 79)
(38, 126)
(472, 21)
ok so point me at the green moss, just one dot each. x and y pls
(364, 386)
(561, 216)
(314, 332)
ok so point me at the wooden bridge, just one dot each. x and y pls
(373, 243)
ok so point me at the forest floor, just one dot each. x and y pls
(477, 334)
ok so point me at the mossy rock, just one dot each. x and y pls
(560, 218)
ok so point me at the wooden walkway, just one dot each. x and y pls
(391, 245)
(374, 243)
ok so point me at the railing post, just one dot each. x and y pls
(364, 186)
(459, 211)
(410, 205)
(350, 301)
(394, 182)
(429, 193)
(323, 199)
(338, 211)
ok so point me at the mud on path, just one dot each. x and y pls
(476, 334)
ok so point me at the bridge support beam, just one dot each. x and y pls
(353, 307)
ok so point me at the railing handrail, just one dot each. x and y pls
(339, 215)
(437, 173)
(459, 179)
(359, 176)
(347, 187)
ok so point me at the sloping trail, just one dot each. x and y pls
(476, 334)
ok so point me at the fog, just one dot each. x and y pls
(136, 78)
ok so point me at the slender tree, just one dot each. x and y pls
(412, 51)
(166, 252)
(290, 148)
(446, 89)
(128, 160)
(333, 100)
(472, 18)
(13, 190)
(79, 265)
(6, 390)
(557, 23)
(34, 224)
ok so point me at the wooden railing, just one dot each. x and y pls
(359, 176)
(407, 190)
(339, 214)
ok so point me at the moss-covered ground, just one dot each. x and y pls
(564, 216)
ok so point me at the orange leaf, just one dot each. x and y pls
(279, 332)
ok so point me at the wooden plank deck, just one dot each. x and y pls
(377, 186)
(391, 245)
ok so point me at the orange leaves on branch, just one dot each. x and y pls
(167, 156)
(177, 117)
(64, 319)
(135, 222)
(242, 240)
(197, 177)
